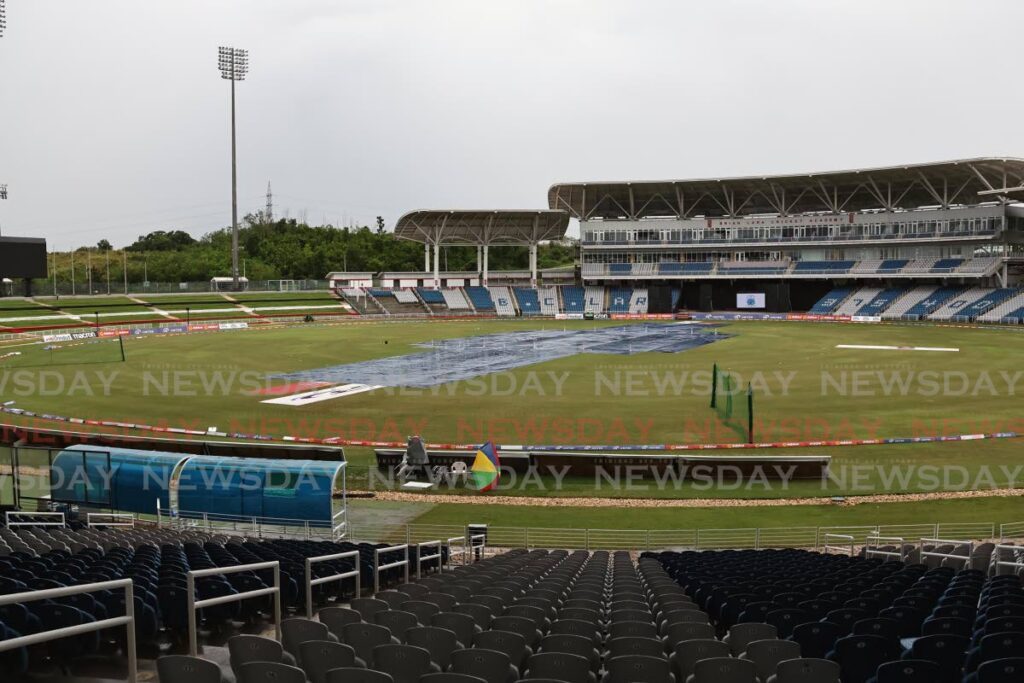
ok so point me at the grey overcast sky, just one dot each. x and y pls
(114, 121)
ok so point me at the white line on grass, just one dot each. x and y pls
(872, 347)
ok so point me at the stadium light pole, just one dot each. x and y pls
(3, 17)
(233, 64)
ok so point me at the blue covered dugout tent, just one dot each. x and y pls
(294, 490)
(141, 481)
(124, 479)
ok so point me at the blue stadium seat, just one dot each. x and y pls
(932, 302)
(619, 300)
(831, 301)
(573, 299)
(430, 296)
(480, 298)
(946, 265)
(529, 302)
(881, 302)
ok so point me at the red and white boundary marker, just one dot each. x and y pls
(9, 408)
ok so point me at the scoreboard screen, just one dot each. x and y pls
(22, 257)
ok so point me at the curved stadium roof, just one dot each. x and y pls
(939, 184)
(471, 227)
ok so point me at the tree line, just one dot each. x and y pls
(285, 249)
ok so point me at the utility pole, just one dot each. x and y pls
(233, 64)
(269, 211)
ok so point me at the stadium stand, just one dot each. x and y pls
(397, 301)
(573, 299)
(638, 301)
(857, 300)
(480, 298)
(1006, 311)
(595, 300)
(431, 297)
(931, 302)
(988, 301)
(823, 267)
(748, 268)
(618, 299)
(882, 301)
(548, 297)
(529, 304)
(946, 265)
(620, 269)
(504, 302)
(979, 265)
(831, 301)
(691, 268)
(455, 300)
(360, 301)
(405, 296)
(907, 301)
(954, 304)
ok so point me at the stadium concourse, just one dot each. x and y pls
(292, 610)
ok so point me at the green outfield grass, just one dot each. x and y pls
(805, 388)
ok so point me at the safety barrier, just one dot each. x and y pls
(193, 604)
(939, 542)
(463, 544)
(120, 519)
(1015, 565)
(873, 547)
(128, 620)
(378, 567)
(1011, 530)
(477, 546)
(258, 527)
(310, 581)
(846, 547)
(11, 517)
(421, 558)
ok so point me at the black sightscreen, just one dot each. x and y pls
(22, 257)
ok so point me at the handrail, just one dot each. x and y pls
(8, 514)
(464, 543)
(420, 557)
(482, 545)
(847, 547)
(193, 604)
(968, 545)
(377, 566)
(872, 542)
(128, 620)
(115, 516)
(999, 564)
(310, 581)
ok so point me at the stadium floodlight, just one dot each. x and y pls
(3, 187)
(3, 17)
(234, 65)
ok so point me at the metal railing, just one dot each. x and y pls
(1016, 563)
(1011, 530)
(194, 605)
(259, 527)
(128, 620)
(310, 581)
(847, 544)
(874, 547)
(968, 546)
(119, 519)
(378, 567)
(463, 543)
(11, 517)
(421, 558)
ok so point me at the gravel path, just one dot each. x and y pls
(439, 499)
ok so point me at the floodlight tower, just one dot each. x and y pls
(3, 17)
(233, 64)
